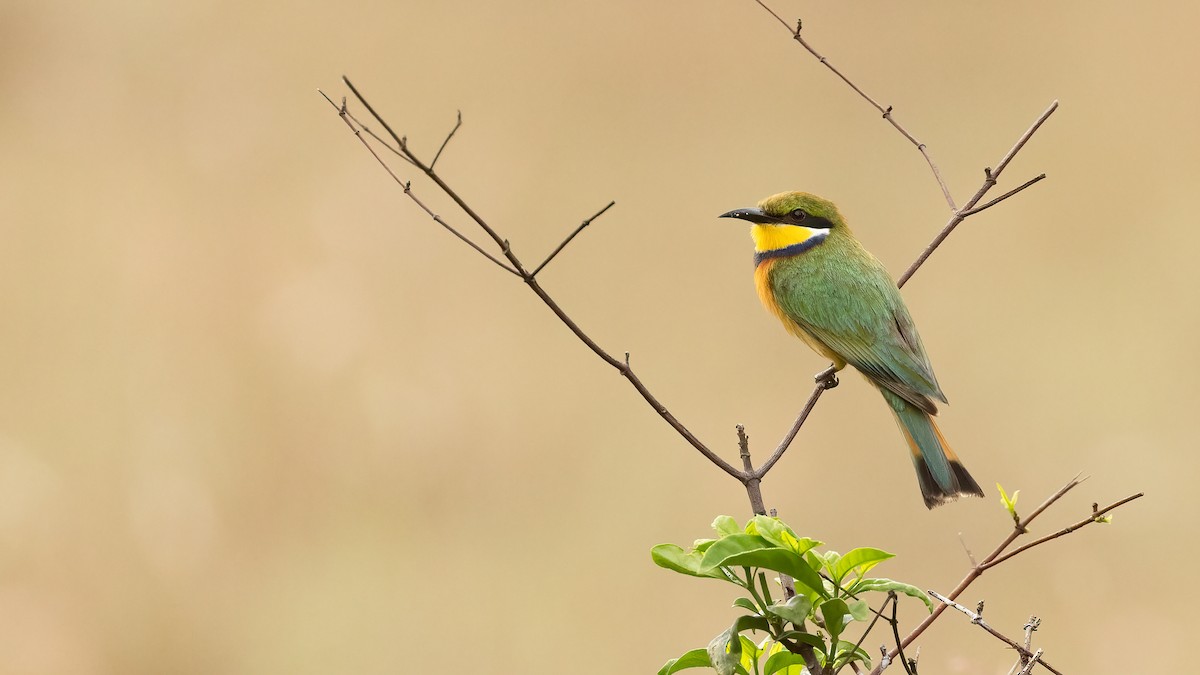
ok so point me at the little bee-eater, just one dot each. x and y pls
(829, 291)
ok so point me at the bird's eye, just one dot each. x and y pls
(798, 214)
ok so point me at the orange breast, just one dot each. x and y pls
(762, 283)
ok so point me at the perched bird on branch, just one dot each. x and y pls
(829, 291)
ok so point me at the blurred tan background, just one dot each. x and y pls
(259, 415)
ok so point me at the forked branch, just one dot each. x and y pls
(998, 556)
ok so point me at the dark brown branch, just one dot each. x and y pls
(346, 117)
(891, 597)
(621, 366)
(1006, 195)
(1095, 517)
(908, 666)
(826, 380)
(1019, 528)
(571, 236)
(450, 135)
(885, 112)
(977, 619)
(990, 178)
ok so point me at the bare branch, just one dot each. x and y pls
(891, 597)
(827, 379)
(1006, 195)
(450, 135)
(974, 573)
(885, 112)
(408, 188)
(1034, 660)
(571, 236)
(990, 178)
(908, 666)
(752, 482)
(1094, 518)
(977, 619)
(401, 147)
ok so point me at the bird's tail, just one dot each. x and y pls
(942, 477)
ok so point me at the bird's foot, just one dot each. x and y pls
(828, 378)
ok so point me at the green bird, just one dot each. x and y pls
(829, 291)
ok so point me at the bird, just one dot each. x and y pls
(812, 274)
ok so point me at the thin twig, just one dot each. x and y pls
(977, 619)
(891, 597)
(408, 188)
(990, 178)
(571, 236)
(825, 381)
(621, 366)
(974, 573)
(1095, 517)
(450, 135)
(1034, 660)
(886, 112)
(908, 667)
(1006, 195)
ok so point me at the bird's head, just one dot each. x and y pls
(791, 223)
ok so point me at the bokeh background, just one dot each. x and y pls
(258, 414)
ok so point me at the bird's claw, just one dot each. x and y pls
(828, 378)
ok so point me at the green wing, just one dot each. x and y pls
(859, 314)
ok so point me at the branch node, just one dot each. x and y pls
(888, 113)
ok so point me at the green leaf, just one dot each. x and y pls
(830, 560)
(671, 557)
(814, 641)
(846, 652)
(782, 660)
(885, 585)
(748, 622)
(696, 658)
(747, 603)
(725, 526)
(834, 612)
(755, 551)
(795, 609)
(1009, 505)
(701, 545)
(860, 610)
(725, 650)
(800, 545)
(859, 561)
(750, 653)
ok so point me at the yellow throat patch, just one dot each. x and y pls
(775, 237)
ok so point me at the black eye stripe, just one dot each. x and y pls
(808, 220)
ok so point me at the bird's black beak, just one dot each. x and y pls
(752, 215)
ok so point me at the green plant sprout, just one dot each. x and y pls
(828, 589)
